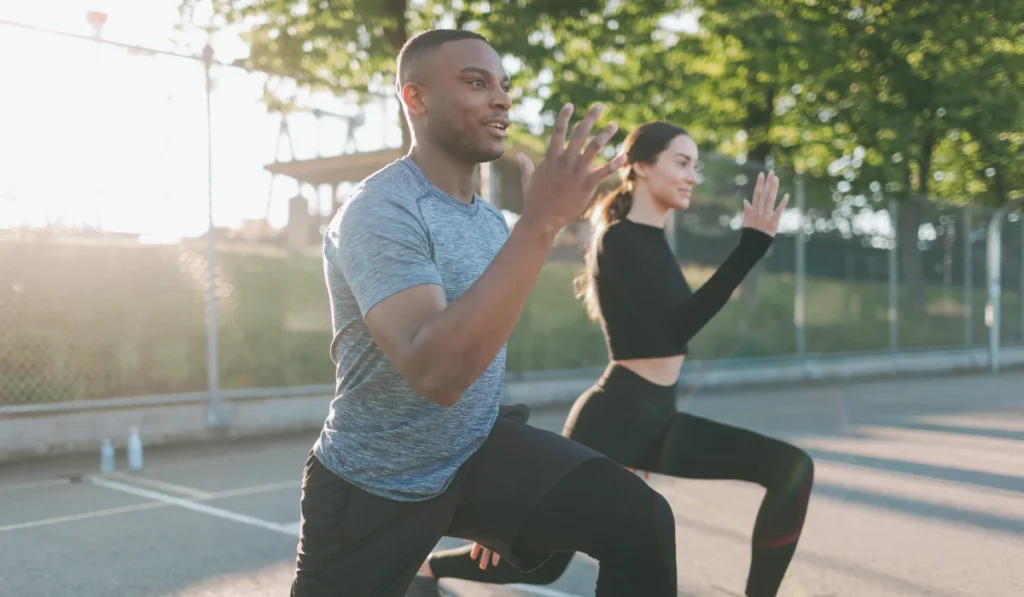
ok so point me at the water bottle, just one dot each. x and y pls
(134, 449)
(107, 456)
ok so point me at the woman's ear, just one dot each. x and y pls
(639, 170)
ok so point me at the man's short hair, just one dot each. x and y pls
(421, 45)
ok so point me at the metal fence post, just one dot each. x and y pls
(213, 417)
(994, 259)
(800, 298)
(968, 280)
(894, 280)
(992, 309)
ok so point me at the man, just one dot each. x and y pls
(426, 285)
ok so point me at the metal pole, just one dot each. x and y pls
(1020, 297)
(894, 280)
(994, 258)
(213, 417)
(968, 280)
(800, 299)
(992, 310)
(489, 183)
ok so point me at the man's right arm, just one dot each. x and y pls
(440, 349)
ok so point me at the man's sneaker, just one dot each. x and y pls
(423, 586)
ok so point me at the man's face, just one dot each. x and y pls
(466, 101)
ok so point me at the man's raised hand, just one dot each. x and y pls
(556, 191)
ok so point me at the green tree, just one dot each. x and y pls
(349, 46)
(918, 85)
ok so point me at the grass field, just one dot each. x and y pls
(87, 321)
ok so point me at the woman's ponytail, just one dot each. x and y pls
(607, 210)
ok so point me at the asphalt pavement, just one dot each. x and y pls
(919, 492)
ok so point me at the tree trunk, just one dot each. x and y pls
(759, 121)
(910, 217)
(911, 274)
(397, 36)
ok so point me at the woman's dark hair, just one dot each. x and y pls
(643, 145)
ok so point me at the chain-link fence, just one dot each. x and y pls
(87, 312)
(842, 277)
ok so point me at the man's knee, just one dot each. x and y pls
(660, 525)
(644, 519)
(551, 570)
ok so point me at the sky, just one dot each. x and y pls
(95, 136)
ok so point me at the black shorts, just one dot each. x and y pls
(353, 543)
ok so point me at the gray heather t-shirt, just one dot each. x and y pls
(396, 231)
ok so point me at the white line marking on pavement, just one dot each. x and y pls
(242, 491)
(194, 506)
(265, 488)
(192, 492)
(35, 485)
(82, 516)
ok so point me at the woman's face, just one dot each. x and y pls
(670, 180)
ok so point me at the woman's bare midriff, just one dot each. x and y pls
(663, 371)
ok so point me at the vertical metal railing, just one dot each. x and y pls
(214, 416)
(994, 261)
(894, 279)
(800, 266)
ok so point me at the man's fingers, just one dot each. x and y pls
(473, 553)
(526, 168)
(557, 142)
(494, 559)
(579, 135)
(605, 171)
(598, 142)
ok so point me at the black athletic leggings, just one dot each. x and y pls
(685, 446)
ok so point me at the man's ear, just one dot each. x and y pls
(413, 98)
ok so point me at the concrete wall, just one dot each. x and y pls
(50, 434)
(31, 435)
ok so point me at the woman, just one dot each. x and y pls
(634, 287)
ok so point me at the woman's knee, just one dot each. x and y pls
(803, 467)
(794, 471)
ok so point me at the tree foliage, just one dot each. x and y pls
(913, 98)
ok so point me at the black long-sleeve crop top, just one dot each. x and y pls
(647, 307)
